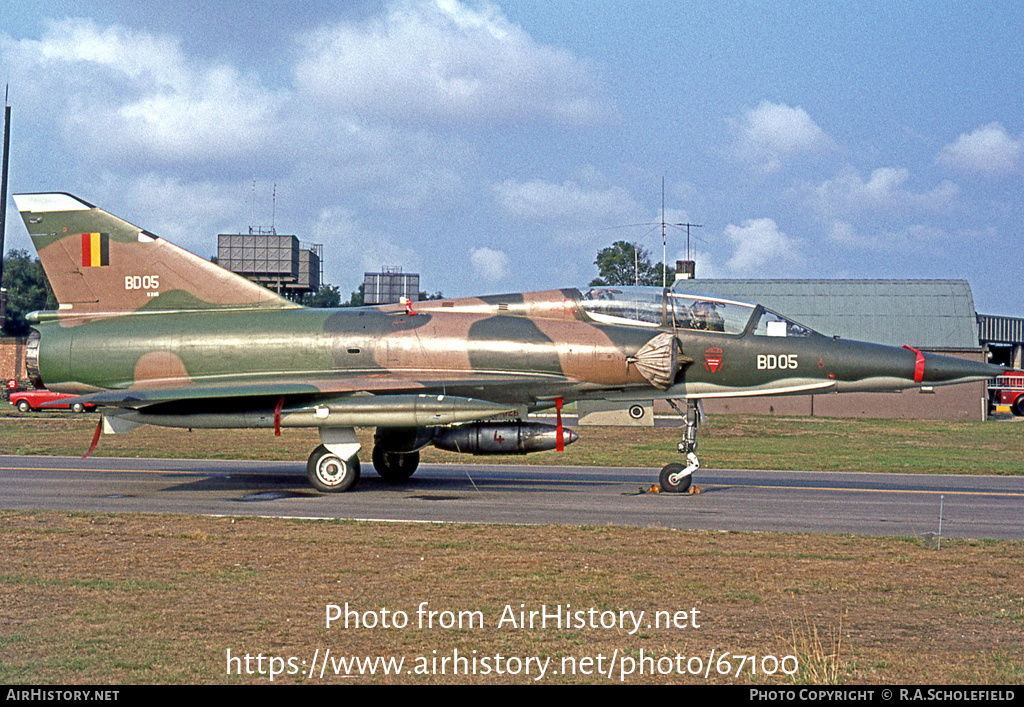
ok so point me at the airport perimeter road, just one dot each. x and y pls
(807, 502)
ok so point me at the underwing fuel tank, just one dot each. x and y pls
(501, 438)
(351, 411)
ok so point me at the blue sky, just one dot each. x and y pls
(497, 146)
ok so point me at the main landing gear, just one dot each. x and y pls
(394, 466)
(675, 477)
(333, 467)
(330, 473)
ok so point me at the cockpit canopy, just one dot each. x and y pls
(656, 308)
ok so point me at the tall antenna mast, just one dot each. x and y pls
(664, 265)
(3, 200)
(664, 238)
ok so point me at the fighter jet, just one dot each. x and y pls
(153, 334)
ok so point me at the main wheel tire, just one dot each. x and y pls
(682, 486)
(329, 473)
(1018, 406)
(78, 407)
(23, 406)
(394, 466)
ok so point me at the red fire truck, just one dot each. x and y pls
(1009, 390)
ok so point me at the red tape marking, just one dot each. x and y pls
(277, 417)
(559, 432)
(95, 439)
(918, 365)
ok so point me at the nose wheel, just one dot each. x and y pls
(675, 477)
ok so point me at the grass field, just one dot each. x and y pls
(114, 599)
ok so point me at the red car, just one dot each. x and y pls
(26, 400)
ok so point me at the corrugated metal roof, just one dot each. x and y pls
(1000, 330)
(921, 313)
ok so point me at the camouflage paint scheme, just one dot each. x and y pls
(154, 334)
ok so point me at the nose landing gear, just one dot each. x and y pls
(675, 477)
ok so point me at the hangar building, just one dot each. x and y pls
(1004, 336)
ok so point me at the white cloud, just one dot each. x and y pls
(539, 200)
(845, 234)
(489, 264)
(884, 190)
(128, 94)
(441, 61)
(773, 133)
(187, 212)
(352, 249)
(891, 243)
(132, 102)
(988, 150)
(761, 249)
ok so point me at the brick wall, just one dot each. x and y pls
(12, 359)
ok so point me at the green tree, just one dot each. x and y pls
(326, 296)
(624, 263)
(356, 300)
(27, 291)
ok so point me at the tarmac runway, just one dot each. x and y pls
(805, 502)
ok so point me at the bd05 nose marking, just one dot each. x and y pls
(771, 362)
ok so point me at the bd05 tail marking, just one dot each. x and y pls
(152, 334)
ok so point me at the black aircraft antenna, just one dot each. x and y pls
(3, 201)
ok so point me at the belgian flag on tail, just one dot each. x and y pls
(95, 249)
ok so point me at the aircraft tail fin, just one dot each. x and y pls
(99, 263)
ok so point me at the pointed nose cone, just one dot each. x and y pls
(872, 367)
(940, 369)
